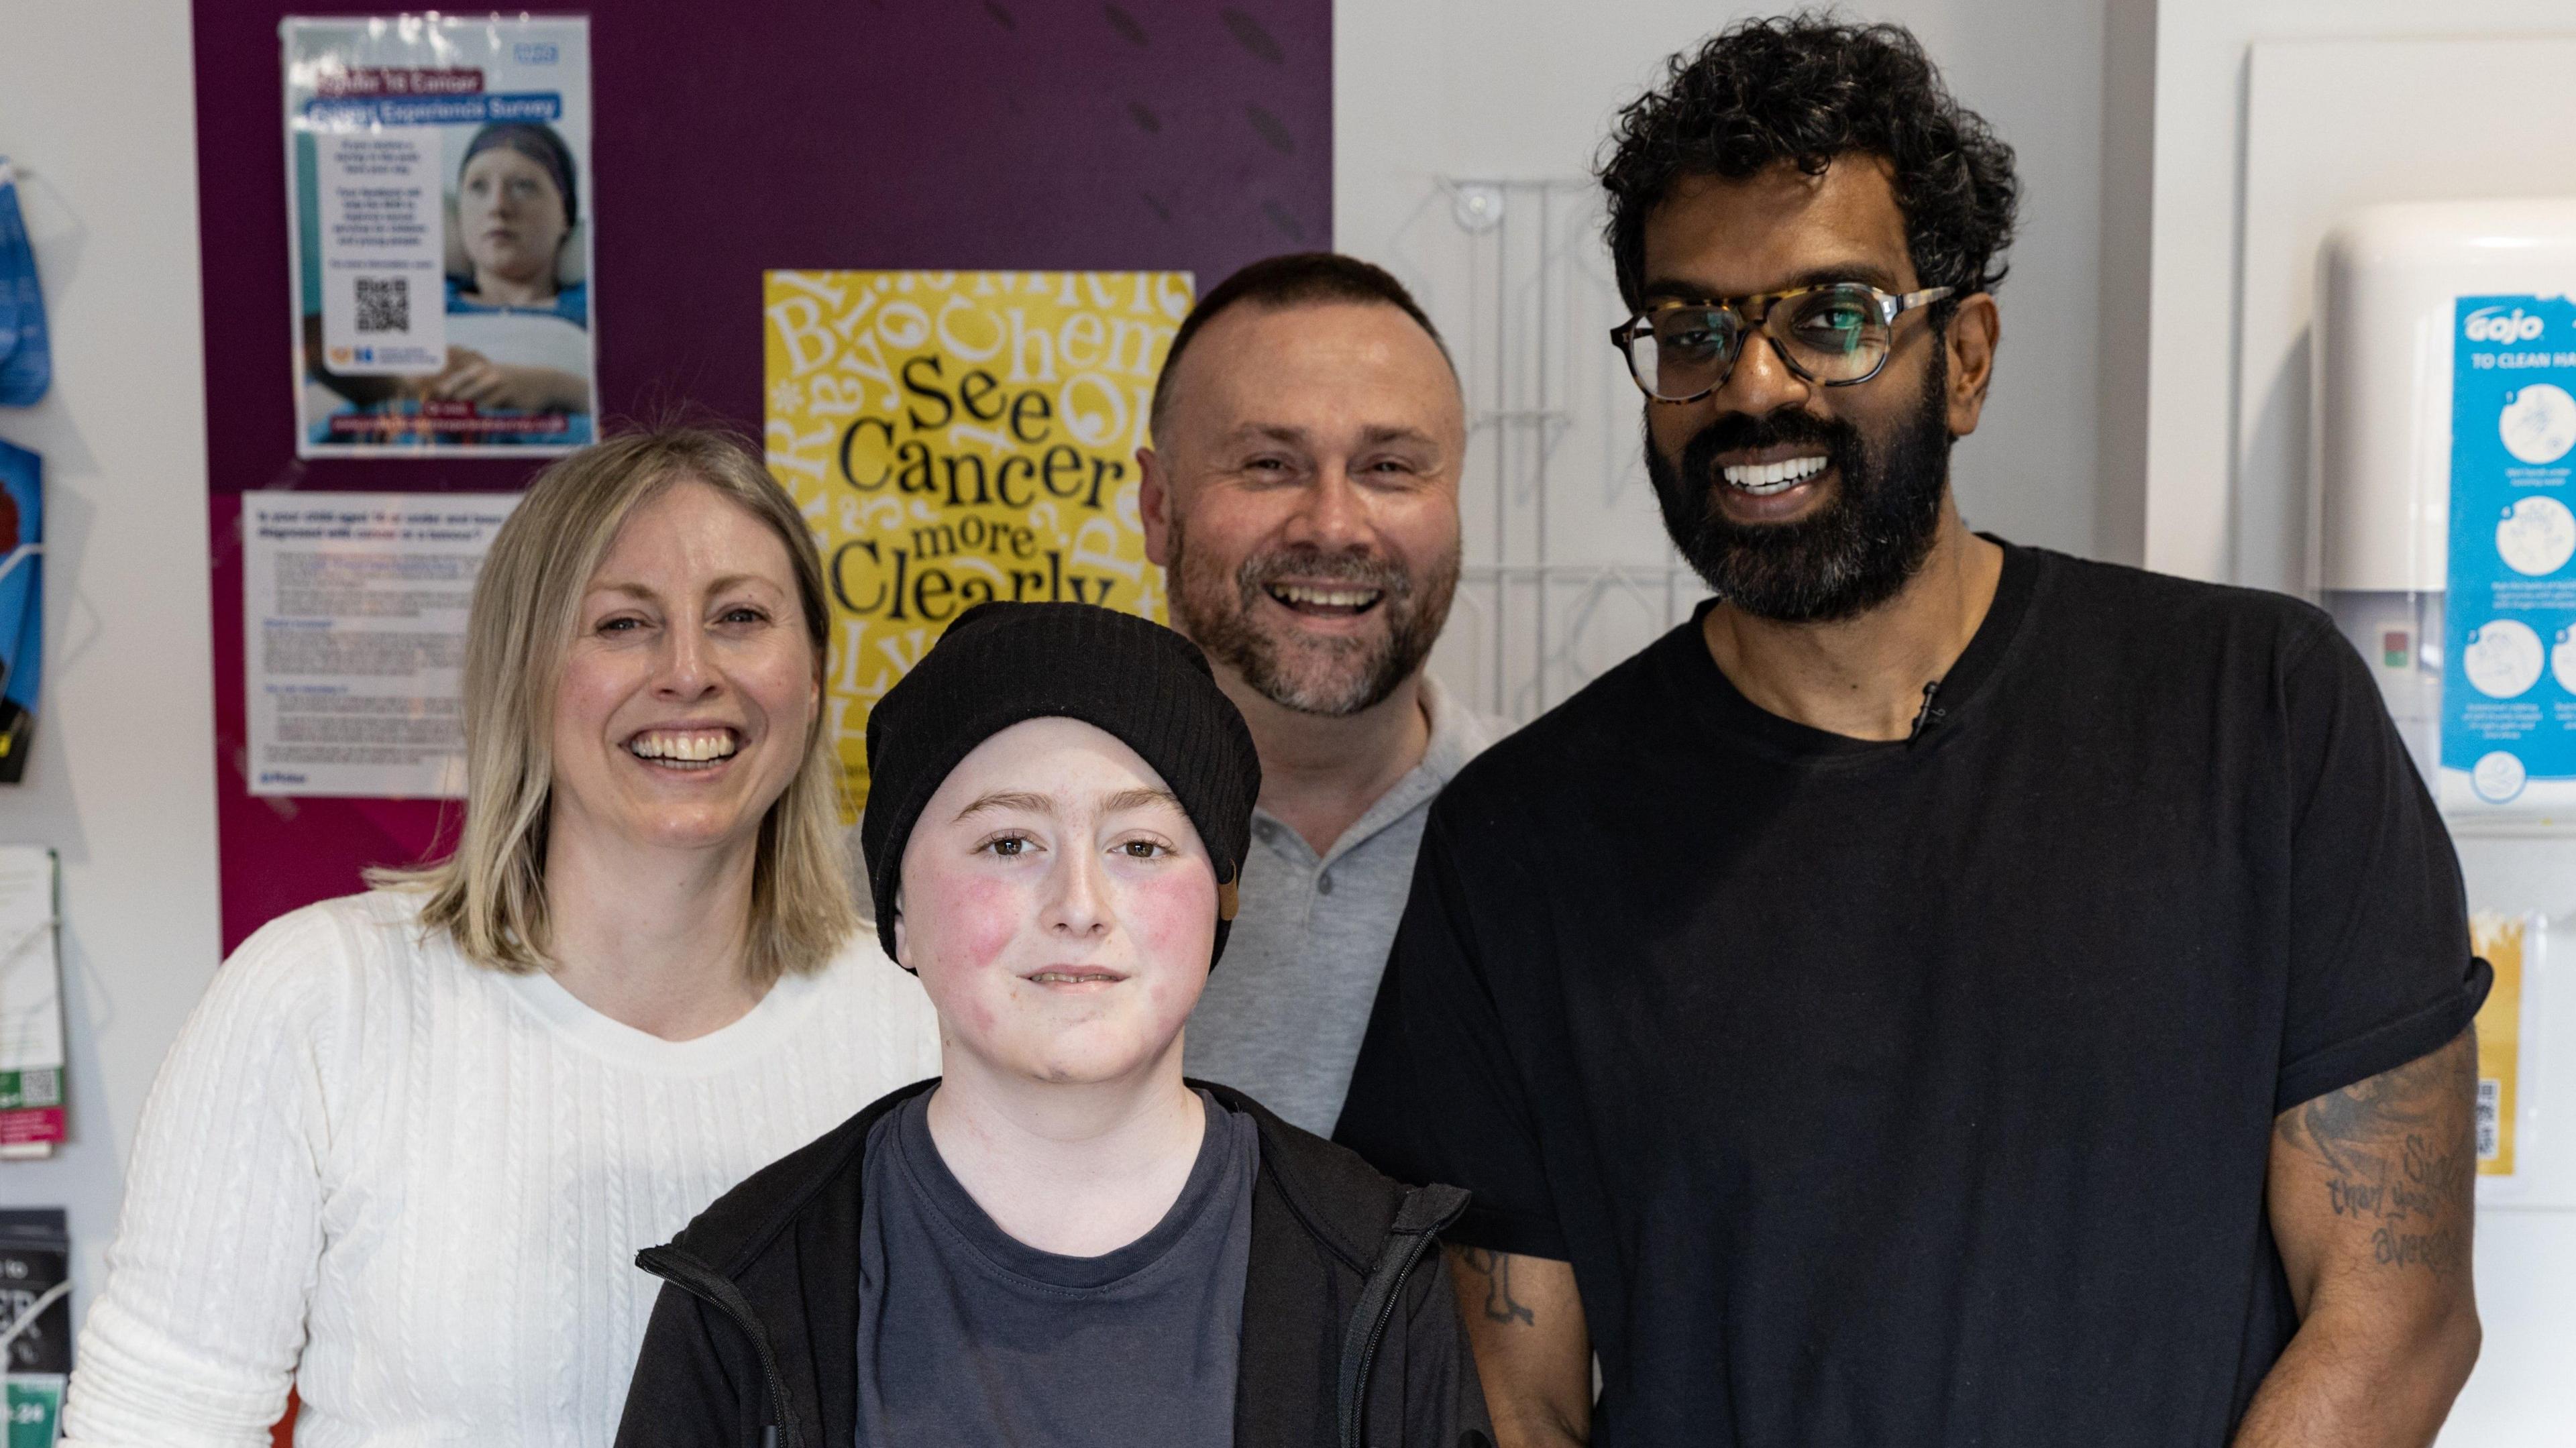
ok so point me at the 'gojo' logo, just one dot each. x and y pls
(2485, 325)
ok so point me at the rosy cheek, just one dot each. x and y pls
(974, 917)
(1169, 917)
(946, 945)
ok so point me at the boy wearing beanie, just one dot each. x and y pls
(1060, 1240)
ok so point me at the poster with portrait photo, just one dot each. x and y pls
(438, 172)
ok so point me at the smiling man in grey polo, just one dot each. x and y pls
(1301, 968)
(1302, 492)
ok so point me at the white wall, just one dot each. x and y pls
(1526, 89)
(96, 101)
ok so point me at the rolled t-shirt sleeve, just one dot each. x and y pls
(2380, 971)
(1438, 1094)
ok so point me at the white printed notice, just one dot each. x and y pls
(383, 244)
(354, 610)
(31, 1007)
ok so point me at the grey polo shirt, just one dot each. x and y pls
(1283, 1014)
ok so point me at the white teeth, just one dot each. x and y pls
(1327, 597)
(1761, 478)
(692, 746)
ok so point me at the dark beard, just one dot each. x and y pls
(1855, 553)
(1336, 677)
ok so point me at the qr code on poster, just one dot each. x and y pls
(384, 304)
(39, 1088)
(2490, 1097)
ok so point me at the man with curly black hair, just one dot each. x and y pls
(1947, 992)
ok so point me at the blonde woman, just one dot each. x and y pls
(404, 1153)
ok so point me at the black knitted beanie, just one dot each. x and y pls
(1002, 663)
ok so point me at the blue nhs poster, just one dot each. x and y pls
(2509, 671)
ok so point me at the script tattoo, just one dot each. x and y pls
(1496, 1270)
(2401, 1156)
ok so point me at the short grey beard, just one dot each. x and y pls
(1356, 674)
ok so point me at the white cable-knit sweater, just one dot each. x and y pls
(414, 1188)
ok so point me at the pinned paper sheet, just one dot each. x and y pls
(353, 618)
(2510, 944)
(31, 1005)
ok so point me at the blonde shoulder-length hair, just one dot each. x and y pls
(489, 895)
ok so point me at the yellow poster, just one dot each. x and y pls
(960, 437)
(2509, 943)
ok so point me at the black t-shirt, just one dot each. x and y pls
(1921, 1092)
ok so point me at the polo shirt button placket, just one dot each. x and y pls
(1324, 884)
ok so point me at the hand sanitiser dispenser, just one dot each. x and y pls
(2444, 458)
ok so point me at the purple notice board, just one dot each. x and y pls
(1000, 134)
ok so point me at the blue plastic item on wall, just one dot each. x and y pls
(22, 604)
(26, 360)
(9, 292)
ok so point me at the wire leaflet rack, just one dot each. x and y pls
(1567, 569)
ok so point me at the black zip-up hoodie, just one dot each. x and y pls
(1350, 1332)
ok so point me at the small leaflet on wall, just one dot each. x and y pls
(961, 437)
(31, 1006)
(22, 605)
(353, 609)
(35, 1322)
(2511, 944)
(2509, 675)
(439, 171)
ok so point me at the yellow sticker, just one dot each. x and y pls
(956, 438)
(2507, 943)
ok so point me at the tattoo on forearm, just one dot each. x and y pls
(1496, 1270)
(2401, 1151)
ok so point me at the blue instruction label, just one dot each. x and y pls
(2509, 671)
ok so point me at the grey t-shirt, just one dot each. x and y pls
(967, 1335)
